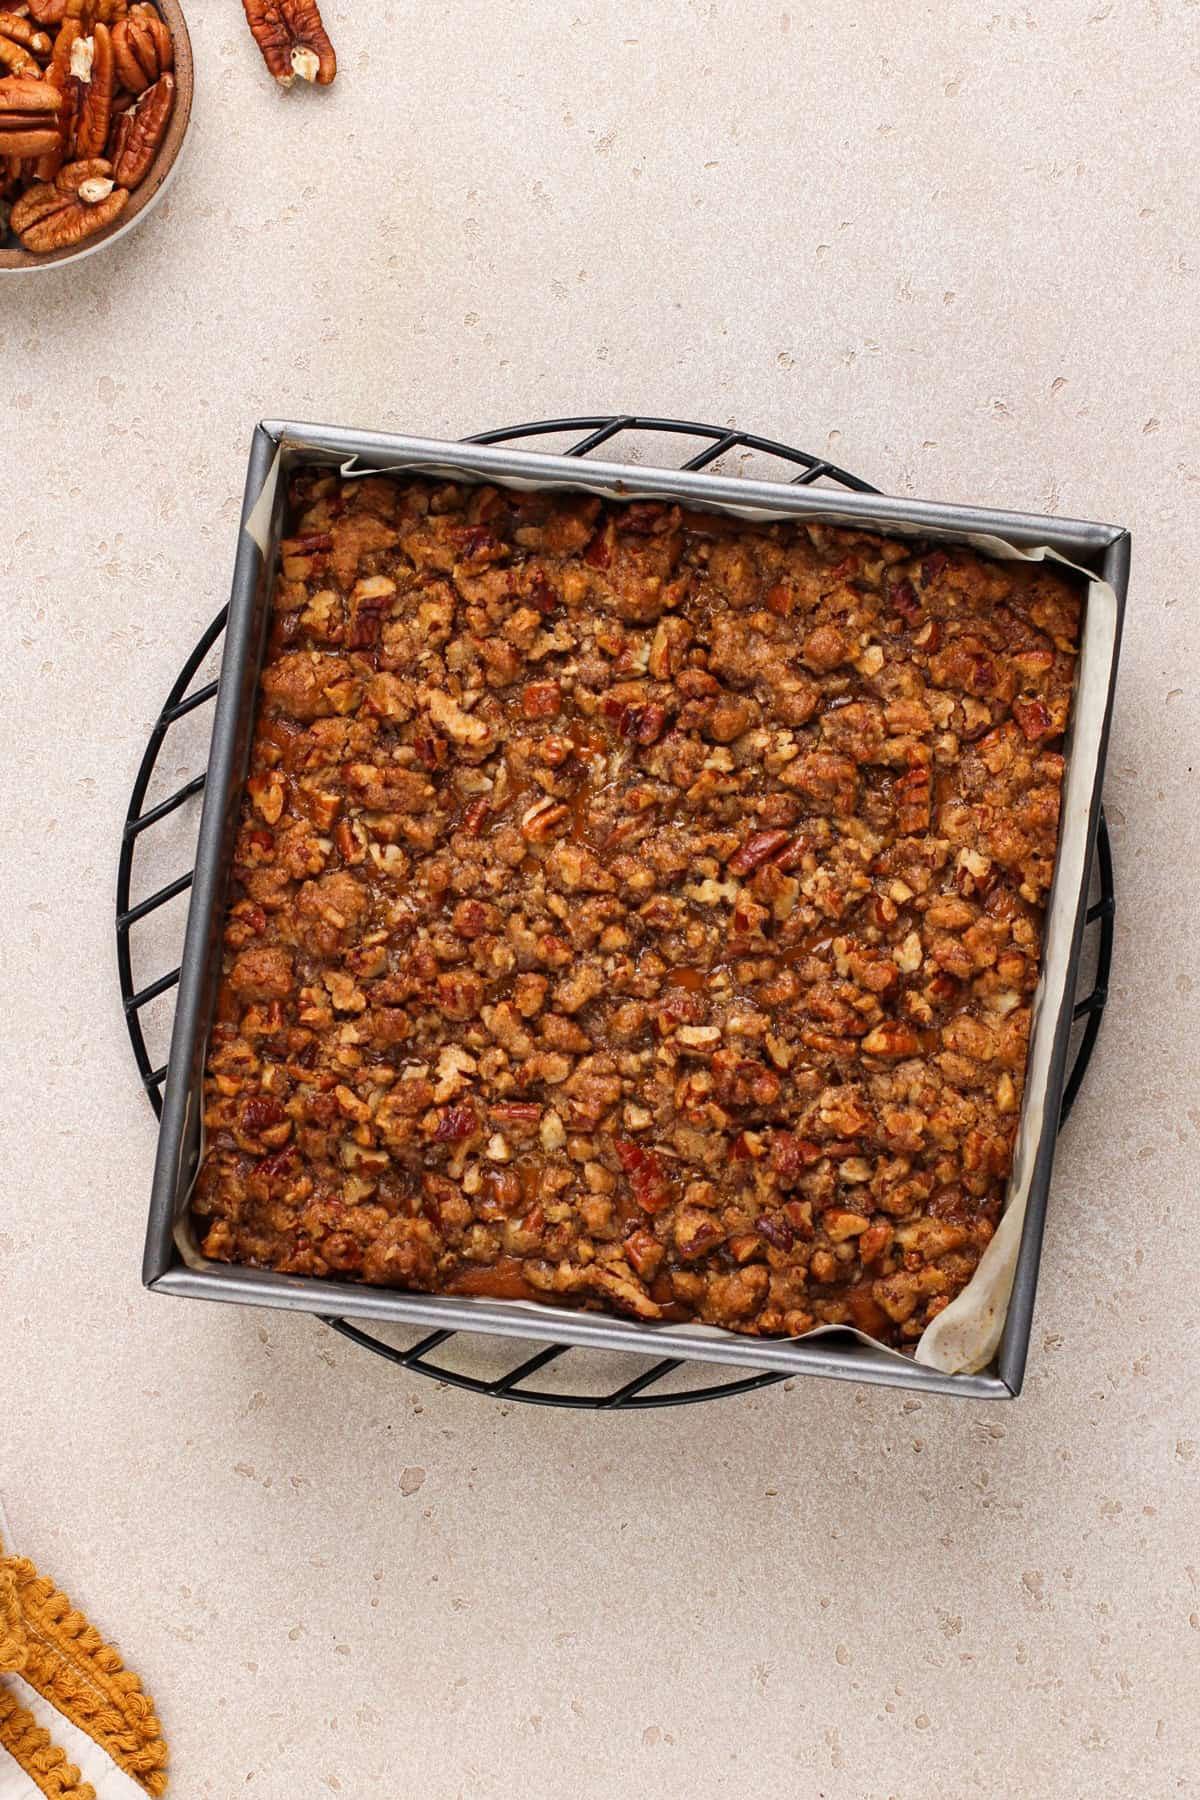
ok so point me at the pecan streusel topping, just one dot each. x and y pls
(634, 908)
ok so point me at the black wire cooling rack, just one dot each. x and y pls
(717, 443)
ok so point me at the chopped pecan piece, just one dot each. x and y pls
(455, 1123)
(541, 700)
(647, 1180)
(913, 802)
(1033, 718)
(625, 1291)
(543, 820)
(891, 1039)
(757, 850)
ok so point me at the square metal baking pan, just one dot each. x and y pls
(173, 1263)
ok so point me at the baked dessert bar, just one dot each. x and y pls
(634, 908)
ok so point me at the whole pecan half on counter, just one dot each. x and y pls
(138, 133)
(29, 116)
(292, 39)
(142, 48)
(80, 201)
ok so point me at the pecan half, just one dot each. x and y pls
(757, 850)
(69, 32)
(142, 48)
(96, 79)
(17, 59)
(29, 116)
(47, 12)
(292, 39)
(79, 202)
(25, 32)
(50, 162)
(140, 131)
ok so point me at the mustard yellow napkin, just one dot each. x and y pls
(74, 1722)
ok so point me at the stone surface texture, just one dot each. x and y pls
(958, 249)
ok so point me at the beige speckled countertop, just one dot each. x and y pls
(962, 254)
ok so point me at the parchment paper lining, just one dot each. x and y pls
(964, 1338)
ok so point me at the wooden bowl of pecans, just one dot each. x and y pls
(95, 98)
